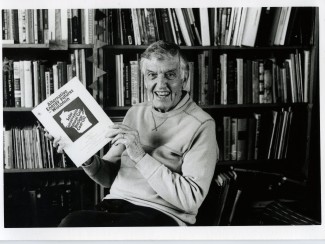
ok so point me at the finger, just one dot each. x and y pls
(61, 148)
(119, 136)
(121, 141)
(56, 141)
(112, 133)
(48, 136)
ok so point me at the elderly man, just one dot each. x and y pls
(163, 156)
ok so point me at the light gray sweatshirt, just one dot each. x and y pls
(175, 174)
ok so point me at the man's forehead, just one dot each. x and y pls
(162, 64)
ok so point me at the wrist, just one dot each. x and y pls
(89, 161)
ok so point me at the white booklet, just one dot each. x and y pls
(74, 115)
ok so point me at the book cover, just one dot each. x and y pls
(73, 115)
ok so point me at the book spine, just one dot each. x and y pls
(28, 84)
(242, 139)
(261, 87)
(227, 137)
(234, 138)
(17, 85)
(134, 82)
(36, 82)
(257, 135)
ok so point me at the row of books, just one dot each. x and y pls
(42, 26)
(224, 79)
(26, 83)
(256, 137)
(28, 148)
(236, 26)
(236, 80)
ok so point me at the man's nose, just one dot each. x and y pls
(161, 81)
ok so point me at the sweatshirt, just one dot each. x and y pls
(175, 174)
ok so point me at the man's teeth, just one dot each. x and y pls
(162, 93)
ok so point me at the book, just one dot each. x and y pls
(73, 115)
(251, 26)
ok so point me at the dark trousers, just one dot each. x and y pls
(117, 213)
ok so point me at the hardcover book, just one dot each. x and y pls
(73, 115)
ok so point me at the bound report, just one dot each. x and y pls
(73, 115)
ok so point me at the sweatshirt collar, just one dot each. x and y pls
(178, 108)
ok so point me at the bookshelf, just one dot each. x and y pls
(299, 158)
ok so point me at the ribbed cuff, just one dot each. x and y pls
(147, 166)
(93, 167)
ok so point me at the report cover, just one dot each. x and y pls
(74, 115)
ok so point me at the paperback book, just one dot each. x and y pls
(73, 115)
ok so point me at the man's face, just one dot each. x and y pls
(163, 82)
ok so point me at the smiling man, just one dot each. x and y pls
(163, 156)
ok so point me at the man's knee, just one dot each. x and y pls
(74, 219)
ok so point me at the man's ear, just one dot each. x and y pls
(185, 78)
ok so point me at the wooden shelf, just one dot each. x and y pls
(45, 46)
(142, 47)
(45, 170)
(206, 107)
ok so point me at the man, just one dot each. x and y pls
(163, 156)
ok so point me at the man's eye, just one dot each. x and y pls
(170, 75)
(152, 75)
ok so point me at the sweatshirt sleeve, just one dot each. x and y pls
(103, 171)
(187, 190)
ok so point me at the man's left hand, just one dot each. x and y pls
(122, 134)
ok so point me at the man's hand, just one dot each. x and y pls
(122, 134)
(57, 142)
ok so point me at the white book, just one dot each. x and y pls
(82, 58)
(172, 24)
(22, 25)
(251, 25)
(36, 83)
(135, 95)
(136, 30)
(241, 26)
(64, 24)
(231, 25)
(85, 31)
(73, 115)
(17, 84)
(55, 77)
(181, 21)
(35, 27)
(280, 25)
(121, 85)
(240, 81)
(28, 83)
(205, 32)
(223, 74)
(51, 24)
(306, 75)
(285, 27)
(22, 82)
(237, 24)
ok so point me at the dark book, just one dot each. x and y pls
(231, 82)
(150, 24)
(70, 27)
(160, 27)
(15, 25)
(76, 28)
(265, 26)
(212, 15)
(242, 134)
(128, 33)
(226, 138)
(127, 85)
(42, 81)
(166, 25)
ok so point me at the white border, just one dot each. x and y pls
(167, 233)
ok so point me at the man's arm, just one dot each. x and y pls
(103, 171)
(186, 191)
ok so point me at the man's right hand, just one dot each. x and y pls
(57, 142)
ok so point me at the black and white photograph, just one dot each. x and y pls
(216, 111)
